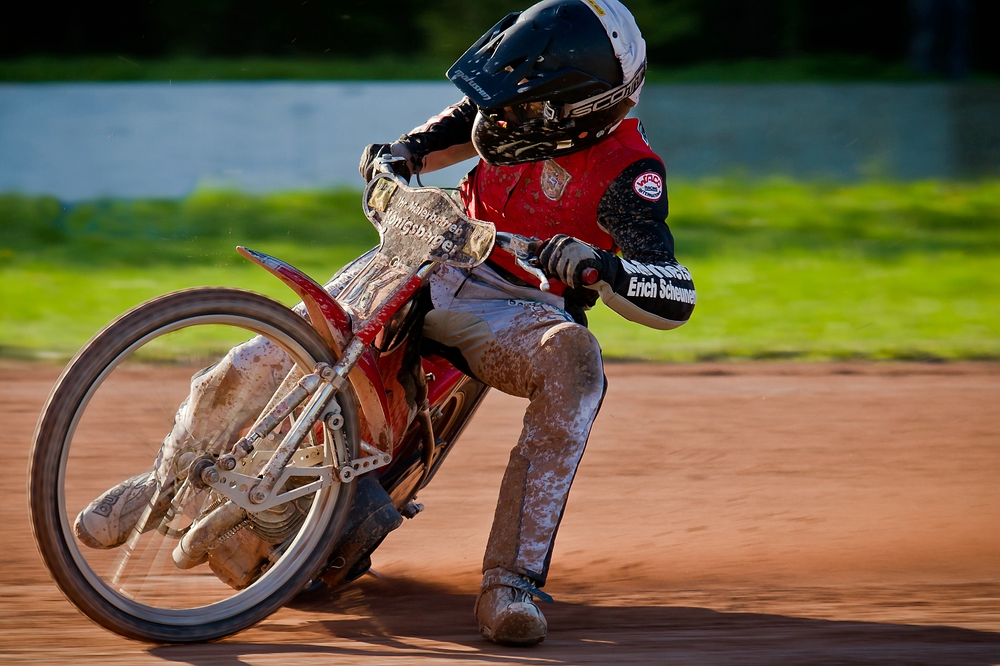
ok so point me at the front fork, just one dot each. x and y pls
(262, 491)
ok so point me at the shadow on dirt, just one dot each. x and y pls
(402, 621)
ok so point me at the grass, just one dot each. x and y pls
(825, 271)
(68, 269)
(783, 269)
(200, 229)
(828, 307)
(830, 68)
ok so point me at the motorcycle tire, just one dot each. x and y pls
(143, 595)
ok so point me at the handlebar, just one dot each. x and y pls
(523, 248)
(383, 164)
(525, 251)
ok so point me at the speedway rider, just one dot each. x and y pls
(547, 92)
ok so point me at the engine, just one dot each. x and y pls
(245, 551)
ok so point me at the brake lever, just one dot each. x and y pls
(383, 164)
(524, 250)
(534, 270)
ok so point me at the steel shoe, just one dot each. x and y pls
(506, 612)
(108, 521)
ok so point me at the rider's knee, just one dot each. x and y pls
(257, 353)
(570, 358)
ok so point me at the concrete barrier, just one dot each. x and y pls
(842, 132)
(81, 140)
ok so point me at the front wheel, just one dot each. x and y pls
(104, 422)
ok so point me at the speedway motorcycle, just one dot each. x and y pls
(313, 484)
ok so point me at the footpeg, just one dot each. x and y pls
(371, 462)
(411, 510)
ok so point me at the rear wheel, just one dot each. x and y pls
(104, 422)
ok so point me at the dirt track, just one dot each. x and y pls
(751, 514)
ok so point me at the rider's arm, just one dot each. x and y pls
(443, 140)
(646, 284)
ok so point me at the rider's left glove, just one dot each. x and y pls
(377, 150)
(568, 259)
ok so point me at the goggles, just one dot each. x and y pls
(604, 100)
(518, 114)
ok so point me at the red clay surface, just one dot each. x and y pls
(724, 514)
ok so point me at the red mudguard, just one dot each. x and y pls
(334, 325)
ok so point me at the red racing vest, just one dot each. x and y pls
(558, 196)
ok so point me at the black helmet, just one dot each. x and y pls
(552, 80)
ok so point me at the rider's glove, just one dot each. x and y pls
(375, 151)
(574, 262)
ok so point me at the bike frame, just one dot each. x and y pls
(402, 446)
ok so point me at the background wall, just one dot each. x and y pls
(843, 132)
(79, 141)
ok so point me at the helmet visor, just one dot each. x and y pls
(522, 113)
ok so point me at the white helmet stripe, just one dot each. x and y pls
(599, 102)
(625, 37)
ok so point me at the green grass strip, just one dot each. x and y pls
(783, 269)
(827, 307)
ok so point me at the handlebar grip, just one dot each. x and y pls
(590, 276)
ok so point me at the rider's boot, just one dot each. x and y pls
(505, 611)
(109, 520)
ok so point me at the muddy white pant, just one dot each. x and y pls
(517, 340)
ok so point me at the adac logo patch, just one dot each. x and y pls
(649, 186)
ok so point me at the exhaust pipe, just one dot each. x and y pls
(203, 535)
